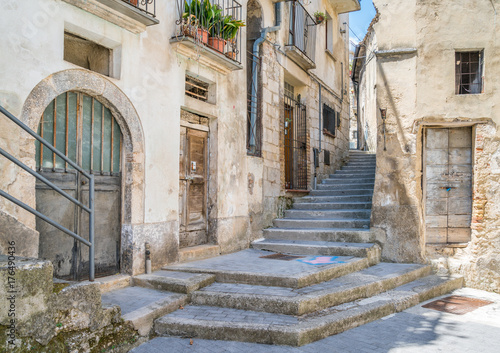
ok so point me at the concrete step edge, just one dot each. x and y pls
(312, 301)
(344, 317)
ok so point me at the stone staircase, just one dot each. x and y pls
(332, 220)
(263, 300)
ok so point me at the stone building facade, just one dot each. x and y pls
(162, 118)
(426, 74)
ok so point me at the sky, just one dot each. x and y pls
(360, 20)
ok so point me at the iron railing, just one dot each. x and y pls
(212, 23)
(296, 152)
(302, 30)
(254, 114)
(146, 6)
(89, 209)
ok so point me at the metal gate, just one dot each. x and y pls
(295, 142)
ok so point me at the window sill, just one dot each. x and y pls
(117, 12)
(330, 54)
(298, 191)
(328, 133)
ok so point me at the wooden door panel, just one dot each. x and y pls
(460, 137)
(436, 157)
(448, 184)
(436, 235)
(193, 184)
(437, 139)
(458, 235)
(458, 221)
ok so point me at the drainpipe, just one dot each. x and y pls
(255, 77)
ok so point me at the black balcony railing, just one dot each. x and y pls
(302, 30)
(212, 23)
(146, 6)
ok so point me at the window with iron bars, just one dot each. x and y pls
(469, 72)
(329, 121)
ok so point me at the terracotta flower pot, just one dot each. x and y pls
(203, 35)
(217, 43)
(231, 55)
(188, 30)
(133, 2)
(320, 19)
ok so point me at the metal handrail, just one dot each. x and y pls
(90, 209)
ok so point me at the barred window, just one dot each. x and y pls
(468, 72)
(329, 121)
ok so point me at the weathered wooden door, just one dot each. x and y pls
(85, 131)
(448, 184)
(192, 184)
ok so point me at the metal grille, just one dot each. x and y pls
(254, 114)
(456, 304)
(146, 6)
(196, 88)
(326, 157)
(468, 72)
(213, 24)
(302, 30)
(295, 143)
(84, 130)
(329, 123)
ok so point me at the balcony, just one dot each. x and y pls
(302, 36)
(133, 15)
(343, 6)
(209, 31)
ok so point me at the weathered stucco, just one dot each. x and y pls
(414, 44)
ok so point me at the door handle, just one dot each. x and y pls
(448, 188)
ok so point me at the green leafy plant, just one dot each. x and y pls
(320, 16)
(230, 27)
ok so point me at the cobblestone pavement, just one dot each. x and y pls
(416, 330)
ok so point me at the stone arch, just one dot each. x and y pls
(109, 94)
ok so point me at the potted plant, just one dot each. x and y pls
(196, 19)
(216, 39)
(230, 31)
(319, 16)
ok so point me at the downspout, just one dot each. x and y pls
(255, 77)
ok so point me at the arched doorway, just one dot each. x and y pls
(85, 130)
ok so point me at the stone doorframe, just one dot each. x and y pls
(101, 88)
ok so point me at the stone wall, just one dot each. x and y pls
(415, 83)
(45, 317)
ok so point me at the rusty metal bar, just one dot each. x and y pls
(54, 135)
(92, 139)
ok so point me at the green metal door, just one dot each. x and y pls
(84, 130)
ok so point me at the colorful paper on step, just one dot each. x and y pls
(321, 260)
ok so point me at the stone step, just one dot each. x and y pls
(290, 301)
(345, 186)
(360, 167)
(326, 248)
(351, 235)
(141, 306)
(351, 175)
(345, 198)
(355, 192)
(198, 252)
(347, 180)
(249, 267)
(371, 163)
(360, 172)
(331, 205)
(322, 223)
(356, 169)
(252, 326)
(180, 282)
(328, 214)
